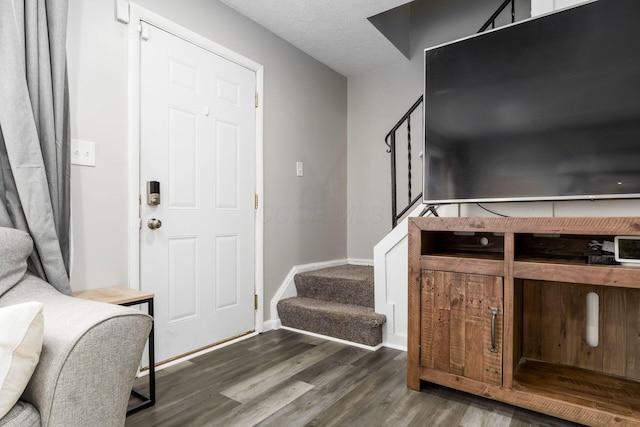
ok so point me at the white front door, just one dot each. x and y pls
(197, 140)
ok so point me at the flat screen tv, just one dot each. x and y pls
(544, 109)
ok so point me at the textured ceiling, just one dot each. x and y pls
(335, 32)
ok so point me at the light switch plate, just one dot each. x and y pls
(83, 153)
(299, 169)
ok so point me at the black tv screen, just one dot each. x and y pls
(545, 109)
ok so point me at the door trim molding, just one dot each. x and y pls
(139, 14)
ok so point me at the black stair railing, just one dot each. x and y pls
(492, 19)
(390, 140)
(391, 137)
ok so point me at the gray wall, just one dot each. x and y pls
(305, 119)
(378, 100)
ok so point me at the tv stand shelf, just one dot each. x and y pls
(577, 385)
(498, 308)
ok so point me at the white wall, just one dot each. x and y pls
(377, 100)
(539, 7)
(305, 110)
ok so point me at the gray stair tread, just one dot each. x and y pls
(348, 284)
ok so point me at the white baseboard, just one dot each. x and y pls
(360, 261)
(272, 324)
(328, 338)
(395, 341)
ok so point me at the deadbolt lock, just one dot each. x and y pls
(153, 193)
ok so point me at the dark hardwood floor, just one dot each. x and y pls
(281, 378)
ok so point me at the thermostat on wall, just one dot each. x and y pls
(627, 250)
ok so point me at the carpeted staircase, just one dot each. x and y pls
(337, 302)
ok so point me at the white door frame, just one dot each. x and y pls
(136, 15)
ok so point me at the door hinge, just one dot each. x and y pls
(255, 201)
(255, 302)
(419, 352)
(257, 99)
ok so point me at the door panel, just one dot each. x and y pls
(227, 165)
(197, 138)
(183, 292)
(227, 267)
(183, 155)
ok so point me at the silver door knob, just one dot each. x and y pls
(154, 223)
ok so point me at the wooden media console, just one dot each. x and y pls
(498, 308)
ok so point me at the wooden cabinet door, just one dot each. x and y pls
(456, 324)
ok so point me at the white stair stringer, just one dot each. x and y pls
(390, 261)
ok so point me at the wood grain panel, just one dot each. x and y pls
(531, 319)
(458, 328)
(474, 327)
(549, 225)
(458, 264)
(554, 327)
(518, 326)
(441, 324)
(474, 354)
(573, 324)
(428, 313)
(613, 337)
(512, 320)
(414, 325)
(632, 365)
(552, 322)
(617, 276)
(492, 362)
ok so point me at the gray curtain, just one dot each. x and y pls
(34, 131)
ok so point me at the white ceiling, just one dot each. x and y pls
(335, 32)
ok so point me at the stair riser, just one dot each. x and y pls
(326, 326)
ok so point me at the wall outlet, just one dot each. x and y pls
(83, 153)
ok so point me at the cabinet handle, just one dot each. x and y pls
(494, 314)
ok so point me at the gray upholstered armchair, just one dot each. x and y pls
(90, 351)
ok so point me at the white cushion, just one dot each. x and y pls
(21, 330)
